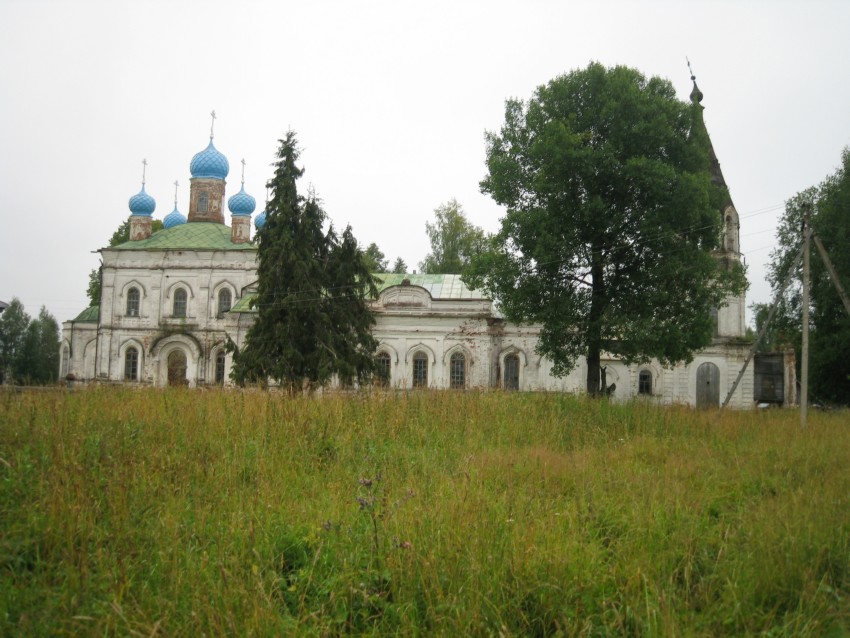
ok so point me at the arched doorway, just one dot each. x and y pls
(708, 386)
(177, 368)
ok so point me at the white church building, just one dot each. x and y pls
(171, 299)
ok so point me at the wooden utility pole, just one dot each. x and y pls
(804, 364)
(832, 273)
(781, 291)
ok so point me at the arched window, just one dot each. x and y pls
(179, 303)
(224, 301)
(133, 302)
(219, 367)
(384, 368)
(645, 382)
(511, 372)
(457, 371)
(420, 370)
(131, 364)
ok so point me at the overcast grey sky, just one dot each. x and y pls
(390, 101)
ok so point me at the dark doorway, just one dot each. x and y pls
(177, 368)
(708, 386)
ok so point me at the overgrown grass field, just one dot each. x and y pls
(190, 513)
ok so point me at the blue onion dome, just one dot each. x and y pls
(209, 163)
(174, 218)
(141, 203)
(242, 203)
(260, 220)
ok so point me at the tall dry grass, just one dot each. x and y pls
(187, 513)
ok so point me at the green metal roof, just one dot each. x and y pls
(438, 286)
(243, 305)
(189, 236)
(89, 315)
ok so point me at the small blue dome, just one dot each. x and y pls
(141, 203)
(242, 203)
(174, 218)
(209, 163)
(260, 220)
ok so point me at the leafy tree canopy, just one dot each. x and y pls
(454, 240)
(312, 318)
(120, 236)
(375, 260)
(29, 348)
(829, 364)
(611, 221)
(399, 266)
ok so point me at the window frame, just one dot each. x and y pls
(420, 369)
(457, 371)
(645, 382)
(203, 202)
(220, 309)
(134, 302)
(384, 367)
(513, 358)
(220, 366)
(131, 364)
(180, 297)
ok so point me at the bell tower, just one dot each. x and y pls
(209, 169)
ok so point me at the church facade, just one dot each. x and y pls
(171, 300)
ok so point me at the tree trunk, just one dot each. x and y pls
(593, 372)
(594, 325)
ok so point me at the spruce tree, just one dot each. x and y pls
(312, 319)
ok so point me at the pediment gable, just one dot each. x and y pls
(405, 296)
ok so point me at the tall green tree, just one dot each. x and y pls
(120, 236)
(29, 348)
(454, 240)
(829, 352)
(40, 361)
(312, 319)
(611, 220)
(375, 259)
(13, 331)
(399, 266)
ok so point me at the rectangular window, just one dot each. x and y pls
(384, 367)
(180, 303)
(420, 371)
(457, 371)
(219, 367)
(645, 382)
(133, 302)
(131, 364)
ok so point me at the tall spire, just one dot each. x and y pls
(696, 100)
(696, 94)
